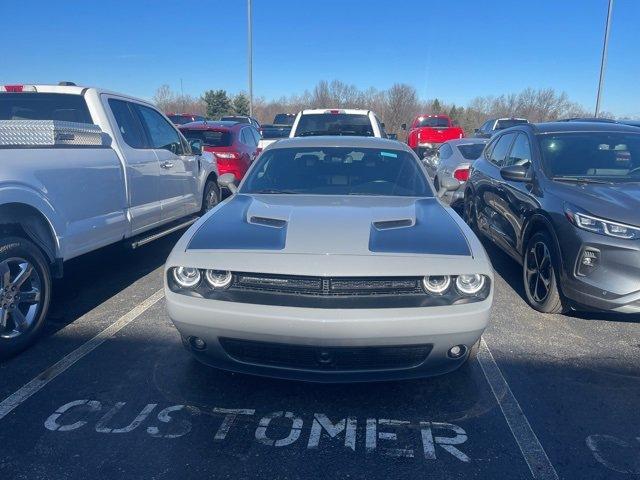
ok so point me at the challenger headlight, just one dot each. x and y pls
(219, 279)
(469, 284)
(186, 277)
(436, 284)
(601, 226)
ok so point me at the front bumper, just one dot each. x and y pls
(439, 328)
(615, 284)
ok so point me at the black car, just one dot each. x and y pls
(563, 199)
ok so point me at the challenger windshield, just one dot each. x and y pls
(337, 171)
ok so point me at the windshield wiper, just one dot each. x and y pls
(276, 191)
(569, 178)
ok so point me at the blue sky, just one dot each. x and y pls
(453, 50)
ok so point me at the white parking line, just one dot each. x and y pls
(18, 397)
(535, 456)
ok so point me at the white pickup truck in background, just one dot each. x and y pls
(82, 168)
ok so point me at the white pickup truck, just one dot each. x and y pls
(81, 168)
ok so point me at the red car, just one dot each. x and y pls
(235, 145)
(427, 132)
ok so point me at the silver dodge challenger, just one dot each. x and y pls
(333, 260)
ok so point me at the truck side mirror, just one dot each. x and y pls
(196, 147)
(403, 126)
(228, 181)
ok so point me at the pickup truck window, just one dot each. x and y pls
(433, 122)
(312, 124)
(44, 106)
(128, 123)
(162, 134)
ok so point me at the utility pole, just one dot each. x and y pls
(603, 63)
(250, 55)
(182, 95)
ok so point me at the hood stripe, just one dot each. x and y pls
(434, 232)
(229, 229)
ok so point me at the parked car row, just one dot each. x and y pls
(325, 219)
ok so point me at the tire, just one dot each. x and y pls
(211, 196)
(468, 212)
(540, 273)
(25, 294)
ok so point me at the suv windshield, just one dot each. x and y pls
(511, 122)
(433, 122)
(44, 106)
(471, 151)
(337, 171)
(209, 138)
(606, 156)
(284, 119)
(334, 124)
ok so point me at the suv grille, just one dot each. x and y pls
(325, 358)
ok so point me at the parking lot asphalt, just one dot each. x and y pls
(109, 392)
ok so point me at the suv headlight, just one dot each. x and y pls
(599, 225)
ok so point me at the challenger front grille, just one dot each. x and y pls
(332, 286)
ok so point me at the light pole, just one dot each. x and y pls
(603, 63)
(250, 55)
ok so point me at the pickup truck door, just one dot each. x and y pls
(179, 167)
(141, 164)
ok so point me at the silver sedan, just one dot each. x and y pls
(453, 161)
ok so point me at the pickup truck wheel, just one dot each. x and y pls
(25, 293)
(211, 196)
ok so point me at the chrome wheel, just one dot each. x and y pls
(20, 296)
(538, 272)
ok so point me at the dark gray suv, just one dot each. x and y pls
(563, 199)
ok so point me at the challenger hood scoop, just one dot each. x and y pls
(326, 224)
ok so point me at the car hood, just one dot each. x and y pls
(331, 225)
(620, 202)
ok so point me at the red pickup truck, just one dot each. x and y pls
(427, 132)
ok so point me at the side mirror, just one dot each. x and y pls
(403, 126)
(392, 136)
(515, 173)
(448, 184)
(228, 181)
(476, 130)
(382, 125)
(196, 147)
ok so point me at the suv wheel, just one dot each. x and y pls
(25, 292)
(468, 212)
(540, 275)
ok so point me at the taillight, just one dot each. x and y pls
(461, 174)
(226, 155)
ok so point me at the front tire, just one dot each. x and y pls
(25, 294)
(211, 196)
(540, 274)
